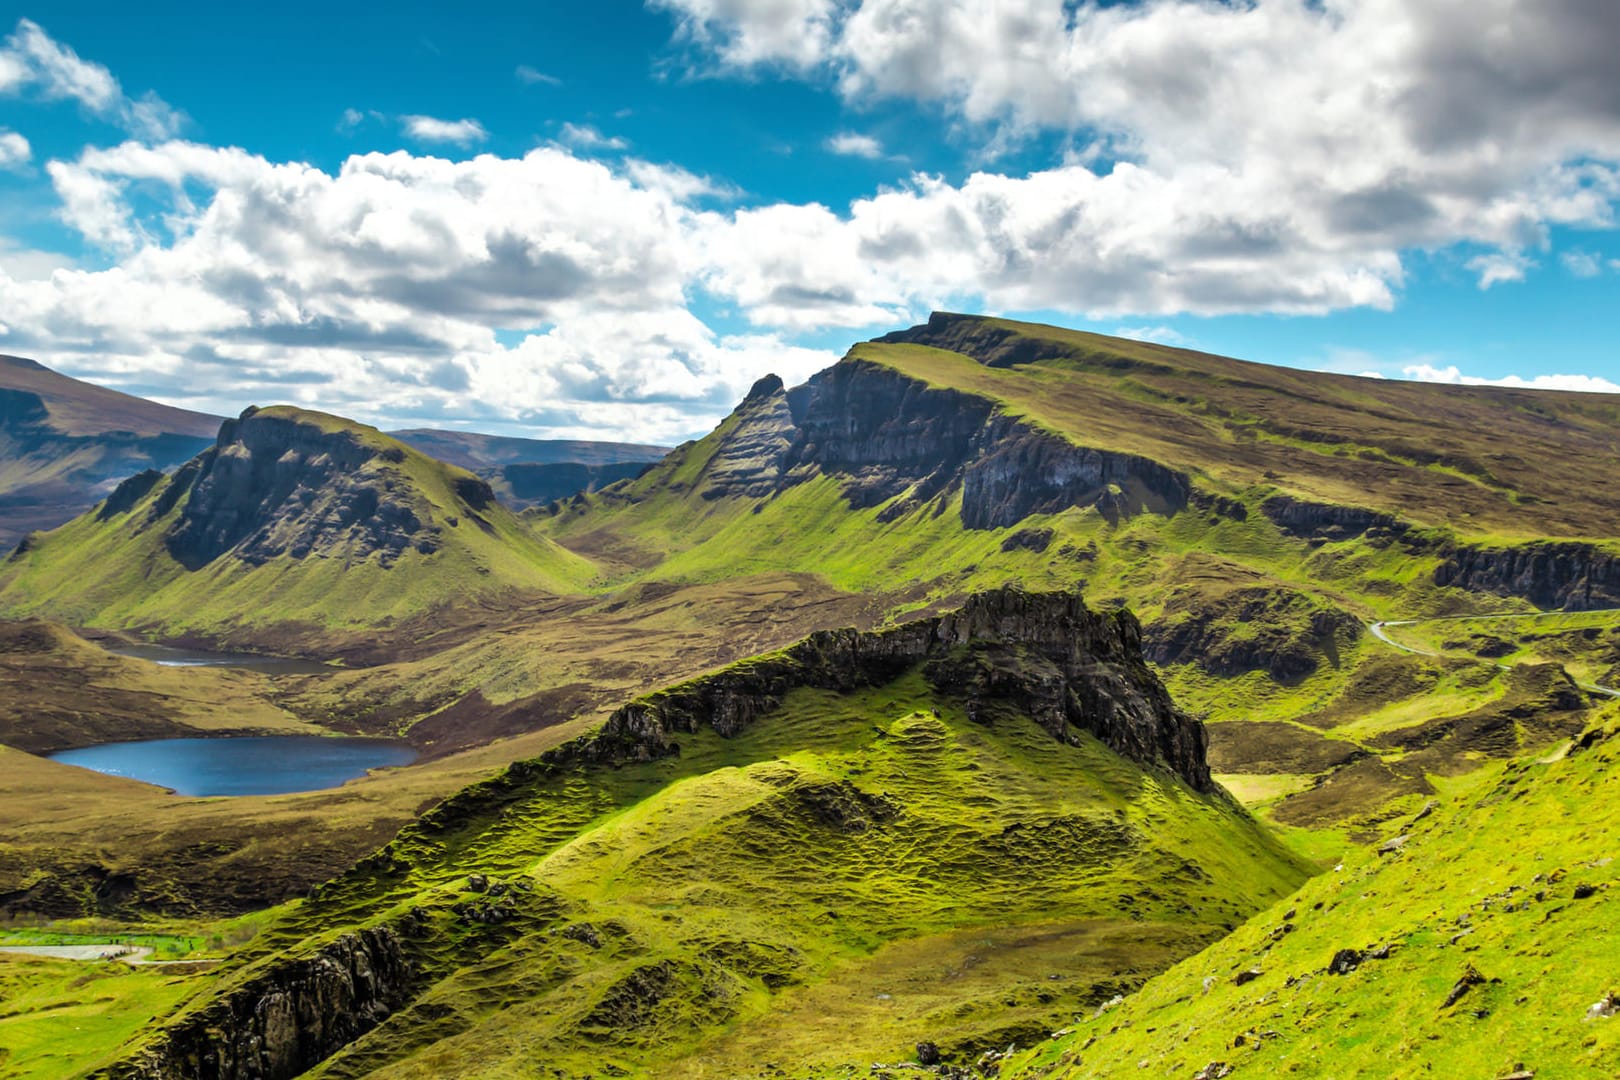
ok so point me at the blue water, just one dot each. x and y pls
(248, 765)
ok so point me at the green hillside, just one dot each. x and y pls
(1481, 944)
(294, 517)
(811, 860)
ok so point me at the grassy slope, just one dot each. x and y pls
(1244, 432)
(732, 915)
(1487, 881)
(118, 573)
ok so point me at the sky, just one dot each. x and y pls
(607, 220)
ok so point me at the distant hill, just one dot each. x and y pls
(291, 518)
(533, 472)
(64, 444)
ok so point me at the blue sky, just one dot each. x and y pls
(609, 219)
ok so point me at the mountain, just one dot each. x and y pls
(1257, 519)
(291, 518)
(964, 828)
(64, 444)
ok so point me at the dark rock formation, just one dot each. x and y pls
(284, 1021)
(1568, 575)
(884, 434)
(1042, 655)
(276, 484)
(1325, 522)
(1283, 633)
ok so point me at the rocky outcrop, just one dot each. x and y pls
(284, 1021)
(1326, 522)
(1568, 575)
(886, 435)
(278, 484)
(1040, 655)
(1283, 633)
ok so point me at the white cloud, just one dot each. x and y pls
(14, 150)
(586, 137)
(1582, 264)
(1499, 267)
(532, 76)
(1332, 133)
(748, 32)
(378, 290)
(853, 144)
(351, 119)
(432, 129)
(1451, 374)
(29, 57)
(1160, 335)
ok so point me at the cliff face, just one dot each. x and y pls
(1327, 522)
(1042, 655)
(274, 485)
(1572, 576)
(884, 434)
(287, 1020)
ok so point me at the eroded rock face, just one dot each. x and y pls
(1326, 522)
(1286, 634)
(884, 435)
(286, 1021)
(273, 485)
(1042, 655)
(1572, 576)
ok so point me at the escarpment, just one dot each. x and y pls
(1041, 655)
(1572, 576)
(885, 435)
(276, 484)
(284, 1021)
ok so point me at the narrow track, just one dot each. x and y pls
(1378, 630)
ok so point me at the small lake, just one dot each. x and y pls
(169, 656)
(249, 765)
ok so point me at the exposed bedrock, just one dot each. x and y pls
(1043, 655)
(884, 434)
(284, 1021)
(272, 485)
(1324, 522)
(1572, 576)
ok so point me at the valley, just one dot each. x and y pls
(993, 673)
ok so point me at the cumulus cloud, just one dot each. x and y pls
(1329, 134)
(854, 144)
(395, 288)
(1451, 374)
(31, 59)
(14, 150)
(432, 129)
(586, 137)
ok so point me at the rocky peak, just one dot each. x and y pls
(283, 481)
(885, 434)
(1044, 656)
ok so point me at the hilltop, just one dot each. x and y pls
(291, 517)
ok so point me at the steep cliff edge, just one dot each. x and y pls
(284, 1021)
(886, 436)
(1572, 576)
(1044, 655)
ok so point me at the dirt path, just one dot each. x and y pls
(1379, 631)
(129, 954)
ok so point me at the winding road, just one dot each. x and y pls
(1378, 630)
